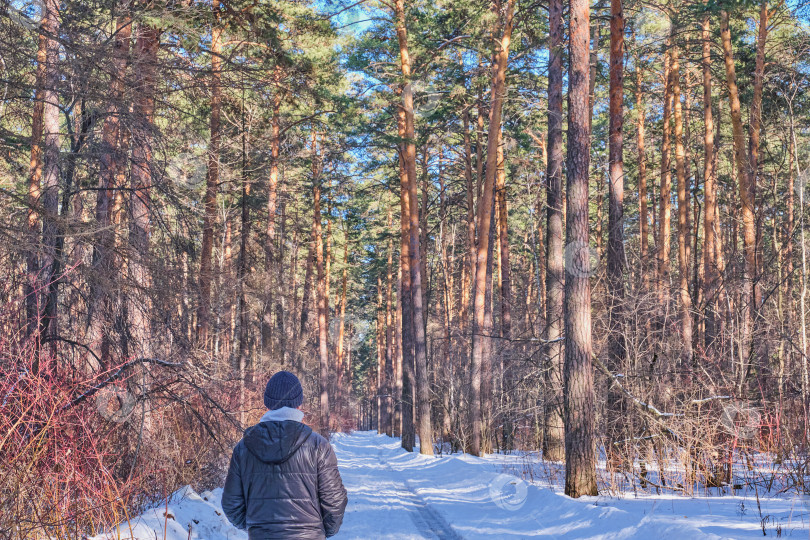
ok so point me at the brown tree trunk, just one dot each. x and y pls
(397, 429)
(34, 192)
(617, 351)
(389, 334)
(746, 200)
(280, 298)
(710, 277)
(580, 446)
(211, 183)
(328, 262)
(52, 141)
(380, 332)
(301, 339)
(469, 263)
(272, 204)
(423, 216)
(339, 347)
(683, 214)
(479, 152)
(323, 329)
(418, 321)
(790, 224)
(593, 63)
(644, 220)
(448, 286)
(485, 207)
(665, 191)
(503, 244)
(244, 236)
(406, 297)
(554, 429)
(754, 128)
(140, 307)
(111, 166)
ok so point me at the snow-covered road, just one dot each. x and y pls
(398, 495)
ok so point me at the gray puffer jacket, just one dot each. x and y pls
(283, 482)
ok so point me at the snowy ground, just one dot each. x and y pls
(397, 495)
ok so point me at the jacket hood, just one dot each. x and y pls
(284, 413)
(275, 442)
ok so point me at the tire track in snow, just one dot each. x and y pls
(429, 522)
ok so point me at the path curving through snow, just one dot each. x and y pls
(397, 495)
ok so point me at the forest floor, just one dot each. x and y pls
(399, 495)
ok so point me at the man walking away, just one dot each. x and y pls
(283, 481)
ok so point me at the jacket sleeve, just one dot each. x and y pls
(233, 499)
(331, 493)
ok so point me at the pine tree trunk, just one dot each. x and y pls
(398, 352)
(744, 177)
(484, 220)
(244, 237)
(34, 192)
(106, 264)
(389, 335)
(418, 321)
(211, 183)
(683, 214)
(617, 351)
(406, 297)
(339, 347)
(503, 245)
(52, 141)
(754, 128)
(710, 277)
(469, 263)
(554, 429)
(301, 337)
(323, 329)
(580, 446)
(643, 217)
(665, 191)
(380, 332)
(272, 203)
(140, 307)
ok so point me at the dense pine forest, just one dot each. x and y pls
(570, 229)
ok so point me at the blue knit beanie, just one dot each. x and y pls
(283, 390)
